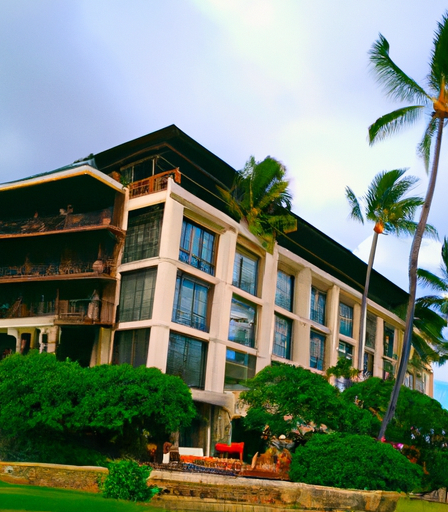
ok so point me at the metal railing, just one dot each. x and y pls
(66, 220)
(55, 269)
(153, 184)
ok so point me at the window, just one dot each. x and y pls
(409, 381)
(137, 295)
(187, 359)
(388, 370)
(242, 322)
(317, 350)
(131, 347)
(420, 383)
(368, 364)
(318, 301)
(388, 341)
(190, 302)
(284, 291)
(143, 234)
(345, 320)
(239, 368)
(371, 330)
(282, 337)
(197, 247)
(345, 350)
(245, 272)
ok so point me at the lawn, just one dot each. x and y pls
(46, 499)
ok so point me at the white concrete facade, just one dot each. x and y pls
(230, 238)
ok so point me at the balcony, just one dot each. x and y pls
(65, 221)
(21, 309)
(84, 311)
(66, 312)
(26, 271)
(153, 184)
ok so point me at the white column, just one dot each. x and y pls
(301, 330)
(332, 310)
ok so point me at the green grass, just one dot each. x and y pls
(19, 498)
(409, 505)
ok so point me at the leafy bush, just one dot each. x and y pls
(354, 462)
(283, 396)
(104, 407)
(53, 450)
(128, 481)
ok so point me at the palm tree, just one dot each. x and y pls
(260, 195)
(385, 205)
(401, 87)
(439, 284)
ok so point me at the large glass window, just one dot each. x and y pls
(388, 341)
(318, 303)
(388, 370)
(317, 350)
(409, 381)
(242, 322)
(190, 302)
(137, 295)
(282, 337)
(187, 359)
(239, 368)
(371, 330)
(131, 347)
(245, 272)
(143, 234)
(197, 247)
(345, 350)
(345, 320)
(368, 364)
(284, 291)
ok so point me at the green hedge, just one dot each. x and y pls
(354, 462)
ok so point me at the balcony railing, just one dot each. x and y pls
(74, 311)
(21, 309)
(85, 311)
(98, 267)
(153, 184)
(66, 220)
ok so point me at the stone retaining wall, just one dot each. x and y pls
(211, 493)
(186, 491)
(81, 478)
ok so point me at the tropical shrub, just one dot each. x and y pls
(50, 410)
(354, 462)
(128, 481)
(284, 396)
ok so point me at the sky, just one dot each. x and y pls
(285, 78)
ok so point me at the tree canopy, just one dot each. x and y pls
(43, 397)
(285, 397)
(260, 195)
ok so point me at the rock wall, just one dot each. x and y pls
(82, 478)
(211, 493)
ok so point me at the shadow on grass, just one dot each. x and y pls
(20, 498)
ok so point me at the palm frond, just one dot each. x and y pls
(439, 55)
(396, 82)
(424, 148)
(355, 207)
(393, 122)
(427, 278)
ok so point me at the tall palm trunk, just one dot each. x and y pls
(413, 263)
(363, 319)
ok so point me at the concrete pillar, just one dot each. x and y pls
(355, 335)
(332, 310)
(379, 349)
(301, 306)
